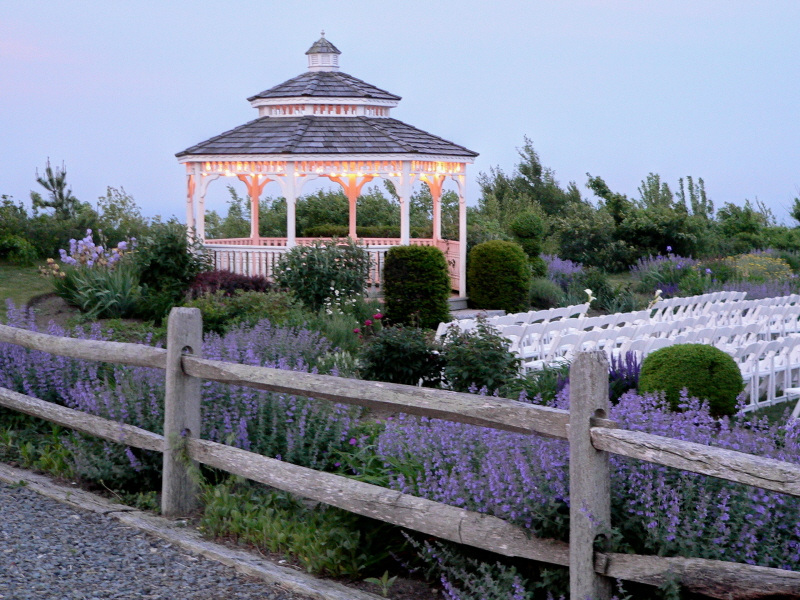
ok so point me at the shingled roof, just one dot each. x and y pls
(323, 46)
(325, 84)
(326, 135)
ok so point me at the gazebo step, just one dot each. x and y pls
(457, 303)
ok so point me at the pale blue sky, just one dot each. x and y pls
(616, 88)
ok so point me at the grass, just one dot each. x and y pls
(21, 284)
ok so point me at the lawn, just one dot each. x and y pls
(21, 284)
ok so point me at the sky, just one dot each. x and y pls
(615, 88)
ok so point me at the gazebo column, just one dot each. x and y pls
(435, 186)
(254, 189)
(404, 192)
(191, 181)
(200, 225)
(290, 193)
(352, 184)
(461, 180)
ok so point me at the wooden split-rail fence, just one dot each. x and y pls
(591, 435)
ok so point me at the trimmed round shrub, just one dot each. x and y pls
(402, 355)
(705, 371)
(416, 286)
(545, 293)
(528, 231)
(498, 276)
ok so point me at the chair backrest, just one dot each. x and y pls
(504, 320)
(658, 343)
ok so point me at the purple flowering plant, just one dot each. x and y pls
(293, 428)
(561, 271)
(655, 509)
(663, 271)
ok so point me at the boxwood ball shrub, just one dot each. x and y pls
(705, 371)
(416, 286)
(498, 276)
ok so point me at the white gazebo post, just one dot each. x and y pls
(404, 192)
(461, 180)
(190, 187)
(290, 193)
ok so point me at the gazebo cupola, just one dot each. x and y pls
(326, 124)
(323, 56)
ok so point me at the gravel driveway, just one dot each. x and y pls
(51, 551)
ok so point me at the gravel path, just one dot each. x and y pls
(51, 551)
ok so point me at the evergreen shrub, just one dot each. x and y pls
(498, 276)
(416, 286)
(528, 231)
(706, 372)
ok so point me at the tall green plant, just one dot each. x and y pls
(416, 286)
(167, 261)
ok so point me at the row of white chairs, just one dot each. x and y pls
(671, 308)
(537, 340)
(577, 311)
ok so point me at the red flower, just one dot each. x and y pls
(356, 330)
(377, 316)
(367, 323)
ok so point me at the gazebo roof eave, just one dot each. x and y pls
(192, 158)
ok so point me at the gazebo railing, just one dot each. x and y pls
(240, 255)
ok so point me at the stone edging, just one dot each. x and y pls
(190, 540)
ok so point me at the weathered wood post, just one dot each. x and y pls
(181, 411)
(589, 475)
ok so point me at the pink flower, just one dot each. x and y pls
(377, 316)
(356, 330)
(367, 323)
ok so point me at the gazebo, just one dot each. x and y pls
(325, 124)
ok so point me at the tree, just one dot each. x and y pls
(795, 211)
(60, 198)
(119, 215)
(504, 196)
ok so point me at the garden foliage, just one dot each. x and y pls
(416, 286)
(478, 359)
(210, 282)
(400, 354)
(316, 272)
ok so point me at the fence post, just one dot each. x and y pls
(181, 410)
(589, 475)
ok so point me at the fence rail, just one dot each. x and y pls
(592, 436)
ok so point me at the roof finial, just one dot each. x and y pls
(322, 33)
